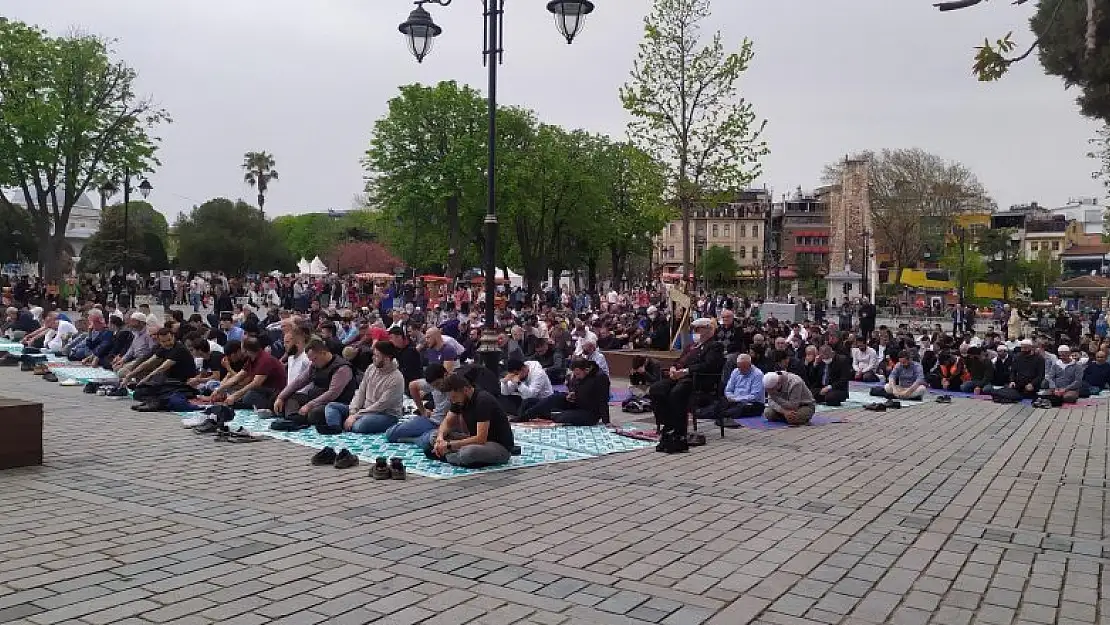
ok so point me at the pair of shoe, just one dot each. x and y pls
(876, 407)
(40, 369)
(1042, 403)
(944, 399)
(342, 460)
(395, 470)
(49, 376)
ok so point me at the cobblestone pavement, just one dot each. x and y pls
(969, 513)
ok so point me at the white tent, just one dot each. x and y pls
(317, 267)
(515, 279)
(302, 265)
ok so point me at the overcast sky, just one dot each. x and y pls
(305, 80)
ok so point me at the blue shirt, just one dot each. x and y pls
(235, 334)
(746, 388)
(905, 377)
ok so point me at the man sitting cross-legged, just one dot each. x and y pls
(833, 373)
(378, 402)
(259, 381)
(585, 404)
(167, 369)
(425, 422)
(907, 380)
(744, 395)
(489, 437)
(329, 378)
(525, 384)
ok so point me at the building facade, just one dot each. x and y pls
(800, 233)
(1087, 212)
(738, 226)
(84, 219)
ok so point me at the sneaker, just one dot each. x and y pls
(944, 399)
(192, 422)
(893, 404)
(118, 391)
(49, 376)
(396, 468)
(324, 457)
(70, 382)
(380, 470)
(40, 369)
(875, 407)
(26, 366)
(92, 388)
(345, 460)
(208, 427)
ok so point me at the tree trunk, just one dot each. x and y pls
(898, 277)
(591, 277)
(454, 260)
(618, 256)
(686, 269)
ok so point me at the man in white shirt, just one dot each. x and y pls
(54, 333)
(524, 385)
(864, 361)
(582, 335)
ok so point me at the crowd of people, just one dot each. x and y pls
(348, 364)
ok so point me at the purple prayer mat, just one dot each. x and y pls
(759, 423)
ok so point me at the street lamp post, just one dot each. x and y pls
(420, 32)
(107, 190)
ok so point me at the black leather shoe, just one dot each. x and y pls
(324, 457)
(345, 460)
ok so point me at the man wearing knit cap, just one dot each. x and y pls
(789, 400)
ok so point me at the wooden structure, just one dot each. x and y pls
(20, 433)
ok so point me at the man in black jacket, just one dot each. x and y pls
(408, 359)
(645, 372)
(1002, 364)
(699, 368)
(1027, 373)
(586, 403)
(833, 373)
(730, 337)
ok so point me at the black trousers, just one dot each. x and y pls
(669, 401)
(832, 398)
(739, 410)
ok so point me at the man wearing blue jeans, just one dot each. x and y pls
(379, 400)
(425, 422)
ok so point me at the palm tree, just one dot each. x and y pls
(260, 171)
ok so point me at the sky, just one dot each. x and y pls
(306, 79)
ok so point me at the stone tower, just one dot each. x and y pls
(850, 216)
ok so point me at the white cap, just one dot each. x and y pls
(652, 310)
(770, 380)
(138, 316)
(1026, 343)
(701, 322)
(1064, 349)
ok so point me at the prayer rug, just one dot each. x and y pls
(370, 446)
(598, 440)
(82, 374)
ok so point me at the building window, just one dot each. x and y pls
(740, 252)
(755, 232)
(728, 248)
(743, 230)
(755, 252)
(715, 231)
(1032, 246)
(673, 233)
(728, 230)
(1055, 246)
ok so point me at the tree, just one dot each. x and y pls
(147, 239)
(1068, 44)
(1003, 258)
(17, 242)
(914, 195)
(1101, 152)
(685, 108)
(309, 235)
(810, 274)
(964, 260)
(1040, 274)
(260, 172)
(718, 266)
(635, 208)
(363, 257)
(68, 117)
(235, 237)
(426, 172)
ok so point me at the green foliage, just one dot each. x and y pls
(146, 241)
(686, 109)
(1101, 152)
(1071, 42)
(967, 264)
(1040, 274)
(221, 235)
(17, 241)
(319, 234)
(718, 266)
(68, 118)
(1003, 258)
(565, 198)
(259, 172)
